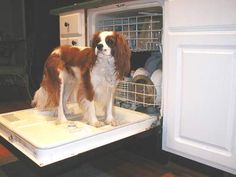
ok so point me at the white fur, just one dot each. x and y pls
(90, 112)
(56, 51)
(62, 98)
(68, 91)
(40, 98)
(103, 78)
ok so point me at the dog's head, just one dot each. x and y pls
(108, 43)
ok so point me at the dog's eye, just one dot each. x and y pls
(110, 41)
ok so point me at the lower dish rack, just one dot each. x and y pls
(138, 96)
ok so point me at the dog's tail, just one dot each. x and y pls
(47, 96)
(45, 99)
(40, 99)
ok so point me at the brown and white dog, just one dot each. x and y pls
(86, 74)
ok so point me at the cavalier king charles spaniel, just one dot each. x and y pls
(85, 74)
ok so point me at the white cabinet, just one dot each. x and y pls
(200, 81)
(71, 41)
(72, 28)
(199, 73)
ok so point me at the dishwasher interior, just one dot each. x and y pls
(141, 90)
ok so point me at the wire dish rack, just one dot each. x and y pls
(142, 32)
(132, 95)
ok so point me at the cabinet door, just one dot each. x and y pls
(200, 81)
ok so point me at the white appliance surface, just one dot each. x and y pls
(39, 137)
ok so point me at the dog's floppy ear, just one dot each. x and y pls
(122, 54)
(95, 40)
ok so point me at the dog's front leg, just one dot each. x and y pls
(62, 103)
(90, 114)
(109, 109)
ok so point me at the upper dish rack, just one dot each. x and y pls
(142, 32)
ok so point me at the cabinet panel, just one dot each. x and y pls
(206, 87)
(71, 25)
(200, 98)
(206, 13)
(72, 41)
(199, 72)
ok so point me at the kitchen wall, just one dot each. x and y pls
(5, 16)
(43, 30)
(38, 27)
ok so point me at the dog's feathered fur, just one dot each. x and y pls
(85, 75)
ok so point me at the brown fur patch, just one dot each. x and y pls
(69, 57)
(122, 54)
(66, 57)
(51, 82)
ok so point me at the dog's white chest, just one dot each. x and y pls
(103, 77)
(104, 72)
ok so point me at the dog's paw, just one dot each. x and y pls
(74, 109)
(113, 122)
(60, 121)
(97, 124)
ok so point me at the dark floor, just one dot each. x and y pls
(107, 162)
(138, 156)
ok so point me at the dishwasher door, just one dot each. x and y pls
(38, 136)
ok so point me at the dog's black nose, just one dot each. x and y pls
(99, 46)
